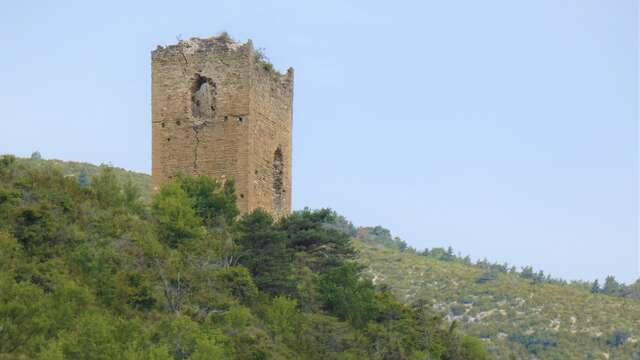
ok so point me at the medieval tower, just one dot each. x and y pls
(220, 110)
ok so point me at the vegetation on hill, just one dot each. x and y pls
(379, 236)
(518, 314)
(84, 172)
(89, 271)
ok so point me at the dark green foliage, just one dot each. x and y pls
(213, 204)
(239, 282)
(486, 276)
(614, 288)
(348, 296)
(186, 339)
(107, 189)
(611, 286)
(99, 336)
(618, 338)
(34, 229)
(441, 254)
(527, 273)
(457, 309)
(176, 219)
(341, 223)
(137, 291)
(263, 250)
(632, 291)
(308, 232)
(534, 343)
(382, 236)
(282, 318)
(89, 271)
(471, 348)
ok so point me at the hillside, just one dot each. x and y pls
(90, 271)
(522, 318)
(515, 316)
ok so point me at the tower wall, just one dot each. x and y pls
(218, 110)
(270, 147)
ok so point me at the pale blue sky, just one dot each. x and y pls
(506, 129)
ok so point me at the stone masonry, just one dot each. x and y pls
(220, 110)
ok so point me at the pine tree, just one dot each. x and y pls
(263, 250)
(36, 156)
(611, 286)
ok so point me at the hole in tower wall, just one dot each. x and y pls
(203, 97)
(278, 181)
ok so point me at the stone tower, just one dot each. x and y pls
(220, 110)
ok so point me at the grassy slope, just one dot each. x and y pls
(537, 315)
(510, 312)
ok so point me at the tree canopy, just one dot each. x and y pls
(89, 271)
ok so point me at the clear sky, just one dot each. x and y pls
(506, 129)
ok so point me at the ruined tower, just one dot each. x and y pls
(219, 109)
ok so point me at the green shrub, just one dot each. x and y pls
(238, 281)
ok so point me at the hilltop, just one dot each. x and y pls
(83, 172)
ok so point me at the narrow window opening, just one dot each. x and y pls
(278, 181)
